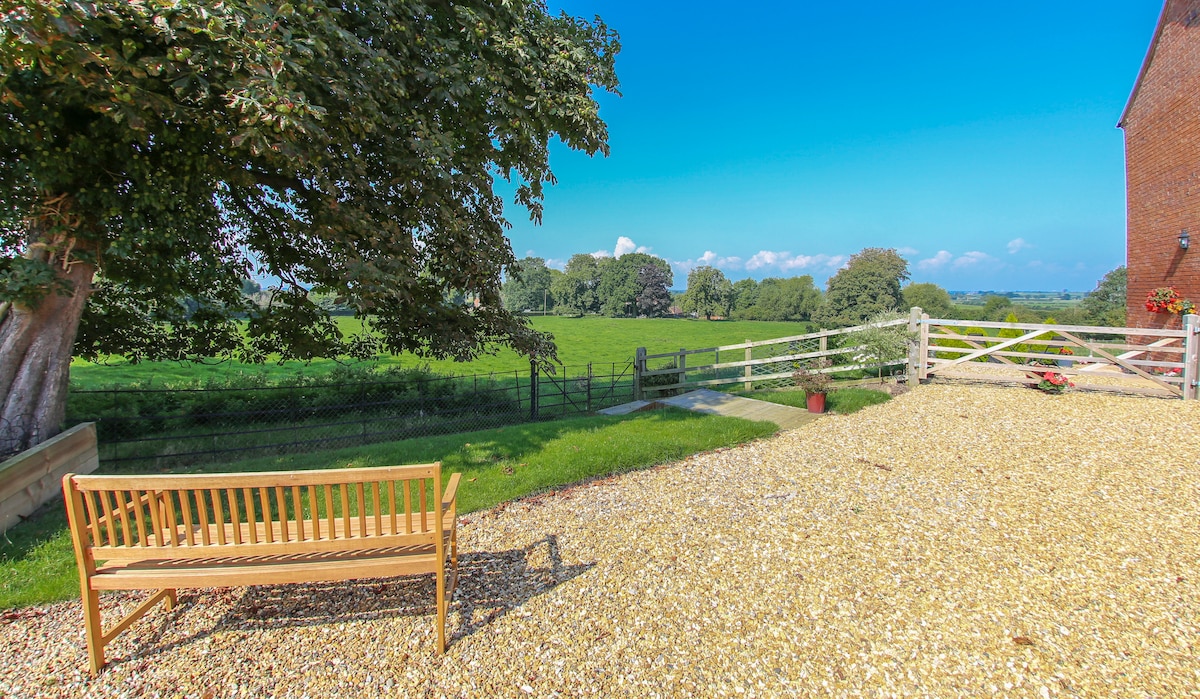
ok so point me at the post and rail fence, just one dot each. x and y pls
(1143, 361)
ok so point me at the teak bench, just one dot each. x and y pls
(232, 530)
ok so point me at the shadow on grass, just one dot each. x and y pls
(490, 585)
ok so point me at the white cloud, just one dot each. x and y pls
(907, 252)
(941, 259)
(972, 258)
(626, 245)
(555, 263)
(710, 259)
(786, 261)
(599, 254)
(1017, 245)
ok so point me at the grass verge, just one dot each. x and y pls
(37, 563)
(842, 401)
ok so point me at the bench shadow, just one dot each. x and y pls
(490, 585)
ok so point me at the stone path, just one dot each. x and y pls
(716, 403)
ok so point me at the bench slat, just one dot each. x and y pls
(342, 541)
(237, 572)
(255, 479)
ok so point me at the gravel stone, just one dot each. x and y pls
(956, 541)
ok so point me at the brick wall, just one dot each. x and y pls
(1162, 164)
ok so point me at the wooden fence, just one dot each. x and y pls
(764, 361)
(1146, 361)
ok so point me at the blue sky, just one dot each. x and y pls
(777, 139)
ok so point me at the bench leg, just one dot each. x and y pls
(172, 600)
(441, 609)
(92, 629)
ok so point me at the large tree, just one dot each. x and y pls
(654, 298)
(618, 288)
(575, 290)
(527, 286)
(868, 285)
(157, 151)
(708, 292)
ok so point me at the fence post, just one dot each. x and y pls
(639, 365)
(682, 365)
(915, 360)
(748, 385)
(1191, 357)
(589, 388)
(533, 390)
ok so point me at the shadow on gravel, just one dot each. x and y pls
(490, 585)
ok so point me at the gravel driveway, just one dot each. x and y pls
(957, 541)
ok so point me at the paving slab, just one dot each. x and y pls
(716, 403)
(626, 408)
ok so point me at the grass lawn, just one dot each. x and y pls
(841, 400)
(580, 341)
(37, 564)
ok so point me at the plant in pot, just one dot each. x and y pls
(815, 383)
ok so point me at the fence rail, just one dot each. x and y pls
(765, 363)
(169, 427)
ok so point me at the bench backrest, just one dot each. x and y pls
(150, 517)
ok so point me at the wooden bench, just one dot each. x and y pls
(165, 532)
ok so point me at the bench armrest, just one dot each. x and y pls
(451, 490)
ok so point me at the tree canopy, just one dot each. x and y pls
(654, 299)
(1105, 305)
(164, 150)
(708, 292)
(527, 287)
(575, 290)
(793, 298)
(868, 285)
(931, 298)
(618, 287)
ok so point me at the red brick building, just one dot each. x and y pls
(1162, 166)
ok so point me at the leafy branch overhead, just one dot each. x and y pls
(176, 147)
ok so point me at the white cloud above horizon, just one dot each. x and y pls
(944, 259)
(1017, 245)
(787, 262)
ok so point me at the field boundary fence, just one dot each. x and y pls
(166, 427)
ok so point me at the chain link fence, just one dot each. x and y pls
(151, 428)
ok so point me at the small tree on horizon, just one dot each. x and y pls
(708, 292)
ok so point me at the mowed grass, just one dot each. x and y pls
(37, 563)
(580, 341)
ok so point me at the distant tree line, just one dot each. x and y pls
(872, 282)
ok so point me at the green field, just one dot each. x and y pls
(580, 341)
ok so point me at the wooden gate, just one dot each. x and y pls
(1147, 361)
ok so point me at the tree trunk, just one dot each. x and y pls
(35, 358)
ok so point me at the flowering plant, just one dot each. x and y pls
(1054, 383)
(1065, 350)
(1165, 299)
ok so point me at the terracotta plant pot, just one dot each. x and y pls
(816, 402)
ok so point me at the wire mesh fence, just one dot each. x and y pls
(163, 427)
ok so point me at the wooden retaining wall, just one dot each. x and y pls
(33, 477)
